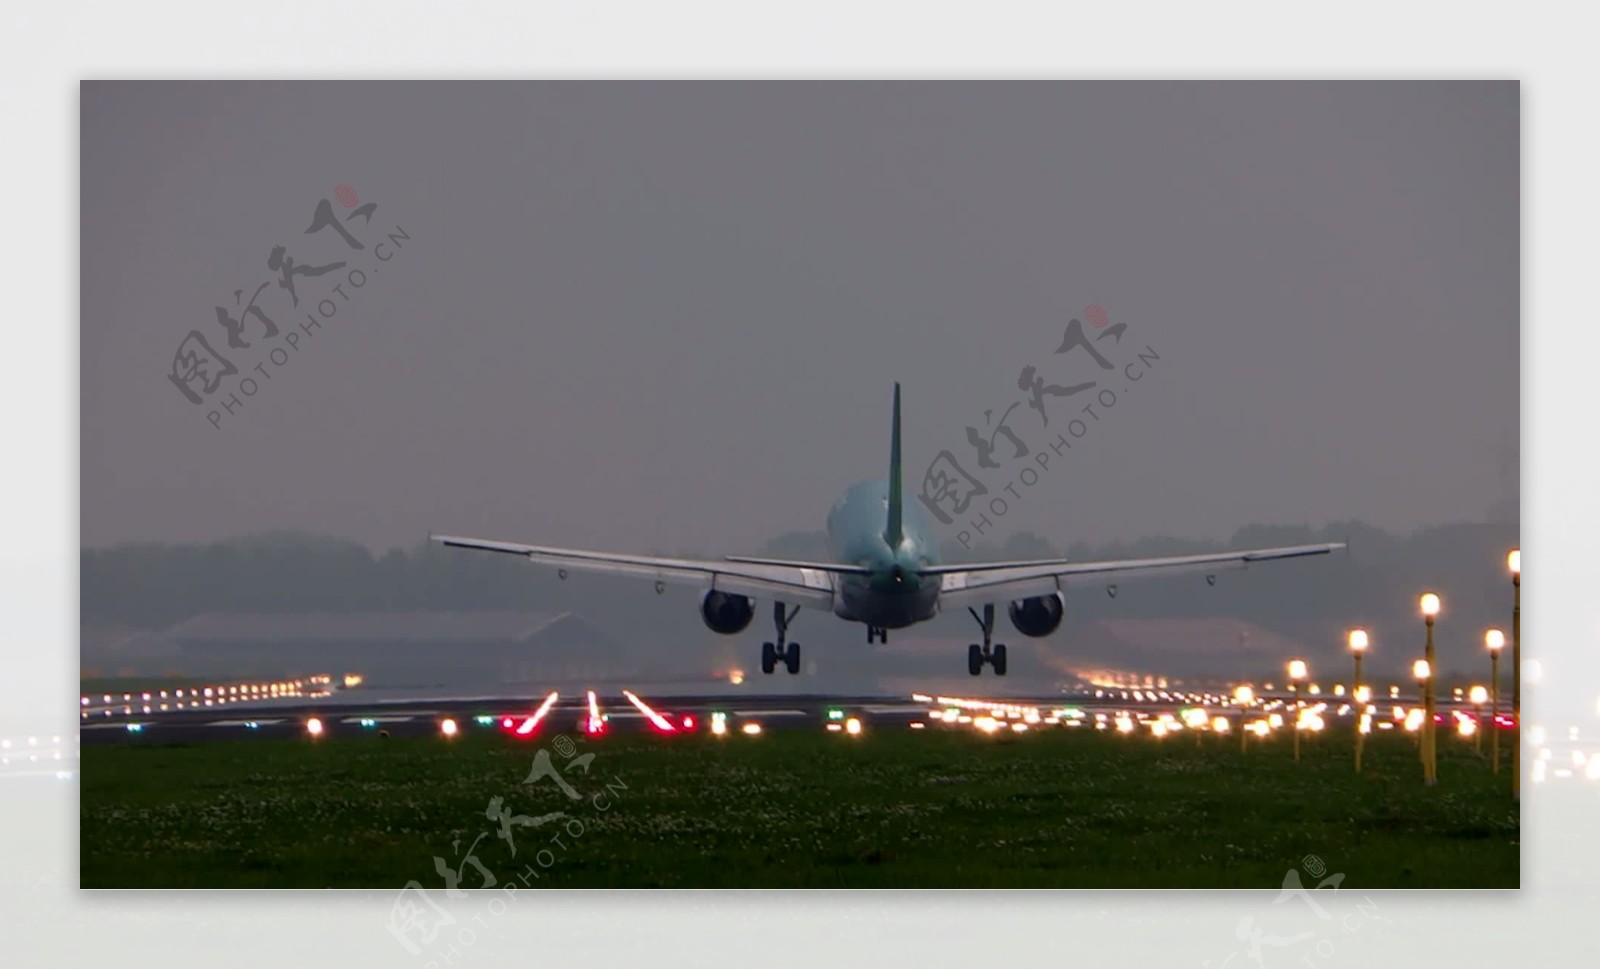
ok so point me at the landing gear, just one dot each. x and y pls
(992, 654)
(878, 633)
(788, 653)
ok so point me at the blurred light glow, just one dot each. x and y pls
(1358, 640)
(1420, 670)
(662, 724)
(853, 725)
(314, 727)
(529, 723)
(1494, 639)
(448, 727)
(1429, 604)
(751, 728)
(1297, 670)
(1514, 562)
(1478, 694)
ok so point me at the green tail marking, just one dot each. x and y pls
(893, 533)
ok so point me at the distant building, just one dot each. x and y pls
(455, 649)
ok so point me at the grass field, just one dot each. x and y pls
(795, 809)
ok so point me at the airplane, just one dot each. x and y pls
(885, 574)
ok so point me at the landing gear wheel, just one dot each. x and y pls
(979, 654)
(783, 650)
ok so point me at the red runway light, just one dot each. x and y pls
(662, 724)
(526, 727)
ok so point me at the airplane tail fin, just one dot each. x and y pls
(893, 532)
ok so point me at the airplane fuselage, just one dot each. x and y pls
(895, 594)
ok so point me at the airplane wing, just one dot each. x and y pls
(974, 584)
(802, 585)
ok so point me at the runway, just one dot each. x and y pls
(222, 713)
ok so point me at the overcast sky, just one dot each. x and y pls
(668, 316)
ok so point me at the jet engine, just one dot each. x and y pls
(1036, 616)
(727, 612)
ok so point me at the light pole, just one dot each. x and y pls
(1422, 670)
(1477, 695)
(1358, 646)
(1243, 695)
(1297, 673)
(1363, 721)
(1514, 563)
(1430, 776)
(1494, 640)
